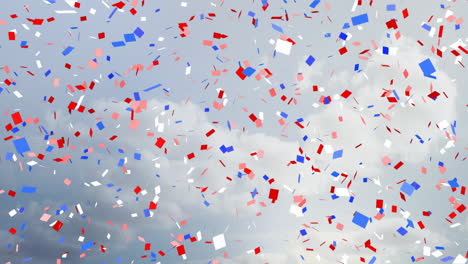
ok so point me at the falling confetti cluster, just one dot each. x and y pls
(245, 131)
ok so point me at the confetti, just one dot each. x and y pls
(427, 68)
(219, 242)
(360, 19)
(241, 132)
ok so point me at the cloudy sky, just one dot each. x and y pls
(260, 130)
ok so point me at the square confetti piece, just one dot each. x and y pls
(360, 220)
(407, 188)
(361, 19)
(310, 60)
(338, 154)
(21, 145)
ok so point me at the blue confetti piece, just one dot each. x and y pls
(338, 154)
(372, 261)
(402, 231)
(428, 68)
(136, 95)
(248, 71)
(310, 60)
(343, 36)
(361, 19)
(415, 185)
(223, 149)
(21, 145)
(300, 159)
(28, 189)
(446, 259)
(391, 7)
(426, 27)
(152, 87)
(87, 245)
(137, 156)
(147, 213)
(385, 50)
(112, 13)
(100, 126)
(453, 183)
(360, 220)
(277, 28)
(314, 3)
(303, 232)
(138, 32)
(407, 188)
(67, 51)
(420, 139)
(118, 44)
(453, 126)
(129, 37)
(254, 193)
(396, 95)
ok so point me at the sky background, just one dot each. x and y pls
(114, 171)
